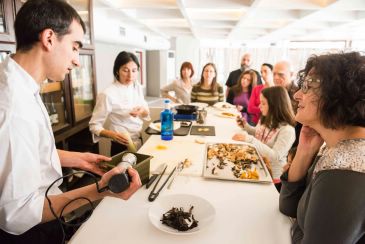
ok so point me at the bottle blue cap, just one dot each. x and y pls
(166, 101)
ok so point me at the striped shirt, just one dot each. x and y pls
(198, 94)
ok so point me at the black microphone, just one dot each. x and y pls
(120, 182)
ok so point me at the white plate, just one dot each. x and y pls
(223, 105)
(203, 212)
(200, 105)
(157, 125)
(229, 114)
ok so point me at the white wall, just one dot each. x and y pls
(109, 26)
(187, 49)
(105, 54)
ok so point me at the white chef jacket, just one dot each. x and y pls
(29, 161)
(112, 109)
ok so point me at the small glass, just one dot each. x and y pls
(201, 116)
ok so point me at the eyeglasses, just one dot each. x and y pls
(304, 86)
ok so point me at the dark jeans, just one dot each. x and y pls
(117, 148)
(49, 232)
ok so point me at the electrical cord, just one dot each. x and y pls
(59, 218)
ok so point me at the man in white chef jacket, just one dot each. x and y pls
(49, 34)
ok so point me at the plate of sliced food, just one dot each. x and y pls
(226, 114)
(223, 106)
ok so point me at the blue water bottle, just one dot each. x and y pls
(167, 122)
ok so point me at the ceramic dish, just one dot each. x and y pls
(203, 212)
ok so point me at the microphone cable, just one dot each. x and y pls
(92, 207)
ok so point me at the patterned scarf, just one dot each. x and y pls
(346, 155)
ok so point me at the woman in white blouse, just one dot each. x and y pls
(182, 87)
(120, 108)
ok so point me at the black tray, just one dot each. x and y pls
(182, 131)
(202, 130)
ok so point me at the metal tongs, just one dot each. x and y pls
(179, 168)
(153, 195)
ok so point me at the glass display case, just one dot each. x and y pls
(6, 21)
(83, 9)
(54, 99)
(82, 84)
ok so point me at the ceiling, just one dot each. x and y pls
(246, 20)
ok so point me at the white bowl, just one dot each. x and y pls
(203, 212)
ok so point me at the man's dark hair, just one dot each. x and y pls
(341, 90)
(122, 59)
(37, 15)
(268, 65)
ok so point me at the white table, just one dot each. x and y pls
(245, 212)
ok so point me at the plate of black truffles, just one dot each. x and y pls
(181, 214)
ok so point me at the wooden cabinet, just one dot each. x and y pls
(69, 102)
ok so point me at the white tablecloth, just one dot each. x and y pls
(245, 212)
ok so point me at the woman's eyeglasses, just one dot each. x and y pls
(304, 85)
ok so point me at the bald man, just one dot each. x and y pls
(283, 77)
(234, 75)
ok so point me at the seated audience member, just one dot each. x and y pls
(274, 134)
(326, 195)
(235, 74)
(290, 157)
(208, 89)
(254, 102)
(283, 77)
(122, 104)
(240, 94)
(181, 87)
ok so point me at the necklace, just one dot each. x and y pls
(263, 139)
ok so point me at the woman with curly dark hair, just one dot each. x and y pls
(326, 195)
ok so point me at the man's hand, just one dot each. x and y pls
(84, 161)
(135, 183)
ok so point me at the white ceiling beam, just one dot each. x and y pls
(152, 29)
(250, 12)
(282, 32)
(336, 28)
(181, 6)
